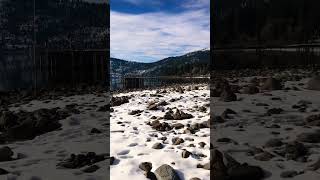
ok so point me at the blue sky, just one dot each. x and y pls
(150, 30)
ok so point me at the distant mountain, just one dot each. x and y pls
(194, 63)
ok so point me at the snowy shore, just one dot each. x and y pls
(143, 129)
(82, 130)
(269, 123)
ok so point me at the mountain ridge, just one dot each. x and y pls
(192, 63)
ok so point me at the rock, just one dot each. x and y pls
(272, 84)
(313, 120)
(228, 96)
(123, 152)
(168, 115)
(276, 99)
(134, 112)
(251, 89)
(81, 160)
(314, 83)
(224, 140)
(162, 103)
(178, 126)
(215, 92)
(91, 169)
(112, 160)
(32, 124)
(146, 166)
(160, 126)
(288, 174)
(262, 104)
(225, 114)
(150, 175)
(157, 146)
(179, 89)
(117, 101)
(254, 150)
(231, 162)
(6, 153)
(313, 137)
(294, 150)
(166, 172)
(216, 166)
(152, 106)
(189, 131)
(274, 126)
(95, 131)
(178, 115)
(3, 171)
(315, 166)
(229, 111)
(274, 111)
(104, 108)
(202, 109)
(177, 141)
(202, 144)
(273, 143)
(186, 154)
(216, 119)
(8, 119)
(246, 172)
(265, 156)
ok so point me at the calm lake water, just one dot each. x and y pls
(17, 70)
(250, 58)
(121, 82)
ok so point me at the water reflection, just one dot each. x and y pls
(260, 58)
(119, 82)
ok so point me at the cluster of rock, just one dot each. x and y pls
(27, 125)
(232, 170)
(117, 101)
(25, 96)
(164, 172)
(178, 115)
(226, 92)
(301, 149)
(156, 106)
(82, 160)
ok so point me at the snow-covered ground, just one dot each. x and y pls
(132, 138)
(41, 154)
(251, 128)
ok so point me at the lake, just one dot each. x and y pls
(119, 82)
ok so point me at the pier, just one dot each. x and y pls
(140, 82)
(70, 68)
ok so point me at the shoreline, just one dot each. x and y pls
(264, 118)
(143, 132)
(156, 88)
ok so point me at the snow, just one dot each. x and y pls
(256, 134)
(45, 151)
(128, 165)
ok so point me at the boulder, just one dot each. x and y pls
(166, 172)
(314, 83)
(271, 84)
(5, 154)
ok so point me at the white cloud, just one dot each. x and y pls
(196, 4)
(98, 1)
(142, 2)
(153, 36)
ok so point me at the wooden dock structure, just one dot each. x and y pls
(70, 67)
(137, 82)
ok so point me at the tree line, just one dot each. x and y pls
(244, 23)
